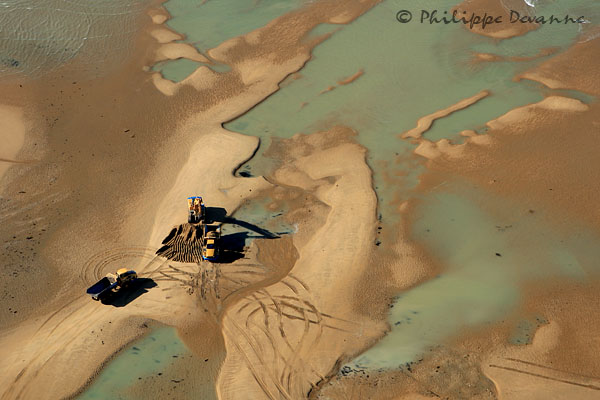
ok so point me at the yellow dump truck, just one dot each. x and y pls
(211, 235)
(111, 284)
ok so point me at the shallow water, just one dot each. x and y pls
(149, 355)
(487, 256)
(410, 70)
(179, 69)
(206, 24)
(525, 329)
(40, 36)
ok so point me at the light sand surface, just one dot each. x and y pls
(172, 51)
(424, 123)
(310, 320)
(164, 35)
(294, 309)
(526, 115)
(12, 136)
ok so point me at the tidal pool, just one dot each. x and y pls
(149, 355)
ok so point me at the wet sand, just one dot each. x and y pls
(12, 136)
(281, 321)
(540, 155)
(571, 69)
(111, 143)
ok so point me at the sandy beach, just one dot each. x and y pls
(12, 136)
(327, 242)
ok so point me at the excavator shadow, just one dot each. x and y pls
(219, 214)
(232, 247)
(233, 244)
(129, 294)
(215, 214)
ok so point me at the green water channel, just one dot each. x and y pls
(150, 355)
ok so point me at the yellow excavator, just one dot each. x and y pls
(196, 209)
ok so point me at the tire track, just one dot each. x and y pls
(96, 266)
(587, 386)
(257, 353)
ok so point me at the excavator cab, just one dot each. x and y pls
(196, 209)
(126, 276)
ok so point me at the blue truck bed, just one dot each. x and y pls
(100, 288)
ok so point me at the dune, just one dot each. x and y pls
(172, 51)
(522, 115)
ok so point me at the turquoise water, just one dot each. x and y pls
(410, 70)
(179, 69)
(40, 36)
(487, 258)
(208, 23)
(147, 356)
